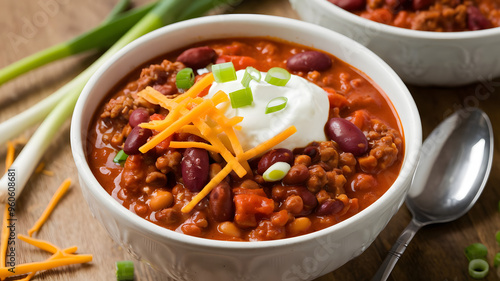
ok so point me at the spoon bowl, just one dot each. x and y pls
(454, 166)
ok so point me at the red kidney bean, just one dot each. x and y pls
(350, 5)
(195, 168)
(421, 4)
(198, 57)
(273, 156)
(297, 174)
(221, 202)
(476, 20)
(349, 137)
(138, 116)
(312, 151)
(329, 206)
(309, 61)
(137, 137)
(308, 198)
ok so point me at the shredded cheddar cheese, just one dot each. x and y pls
(11, 151)
(44, 265)
(191, 114)
(52, 204)
(41, 169)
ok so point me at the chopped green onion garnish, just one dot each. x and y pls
(276, 171)
(240, 98)
(476, 251)
(276, 104)
(120, 157)
(277, 76)
(496, 260)
(184, 78)
(478, 268)
(224, 72)
(124, 270)
(250, 74)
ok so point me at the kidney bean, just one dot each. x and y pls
(195, 168)
(329, 206)
(421, 4)
(349, 137)
(475, 19)
(308, 198)
(313, 153)
(221, 203)
(297, 174)
(273, 156)
(309, 61)
(350, 5)
(198, 57)
(137, 137)
(138, 116)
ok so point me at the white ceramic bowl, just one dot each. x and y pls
(189, 258)
(419, 57)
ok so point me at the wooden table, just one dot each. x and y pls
(436, 253)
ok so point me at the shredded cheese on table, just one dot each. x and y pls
(52, 204)
(59, 257)
(192, 114)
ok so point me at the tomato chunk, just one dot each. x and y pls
(250, 208)
(240, 62)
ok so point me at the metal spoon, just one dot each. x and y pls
(454, 166)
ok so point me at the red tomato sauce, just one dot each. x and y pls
(324, 186)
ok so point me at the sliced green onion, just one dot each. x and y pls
(120, 157)
(478, 268)
(476, 251)
(240, 98)
(184, 78)
(124, 270)
(224, 72)
(250, 74)
(496, 260)
(276, 171)
(276, 104)
(497, 237)
(277, 76)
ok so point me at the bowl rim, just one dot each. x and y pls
(85, 174)
(404, 32)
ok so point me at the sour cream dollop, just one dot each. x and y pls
(307, 109)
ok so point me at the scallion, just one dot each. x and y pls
(277, 76)
(478, 268)
(124, 270)
(276, 104)
(120, 157)
(184, 78)
(496, 260)
(476, 251)
(100, 37)
(276, 171)
(224, 72)
(240, 98)
(58, 107)
(250, 74)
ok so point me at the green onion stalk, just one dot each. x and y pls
(101, 37)
(64, 99)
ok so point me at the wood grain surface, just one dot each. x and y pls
(26, 26)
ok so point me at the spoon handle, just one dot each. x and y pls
(396, 251)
